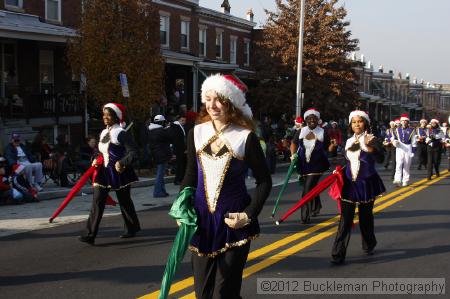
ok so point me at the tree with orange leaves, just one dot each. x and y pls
(329, 81)
(119, 36)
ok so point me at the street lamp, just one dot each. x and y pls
(299, 102)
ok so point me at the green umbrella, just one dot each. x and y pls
(183, 211)
(286, 180)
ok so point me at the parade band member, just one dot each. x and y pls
(362, 185)
(311, 144)
(434, 140)
(405, 143)
(421, 145)
(115, 174)
(220, 148)
(390, 149)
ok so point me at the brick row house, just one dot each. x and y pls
(386, 95)
(197, 41)
(37, 89)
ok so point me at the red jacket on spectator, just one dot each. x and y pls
(335, 133)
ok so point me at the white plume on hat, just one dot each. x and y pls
(119, 110)
(359, 113)
(229, 87)
(311, 111)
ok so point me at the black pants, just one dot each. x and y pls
(314, 205)
(390, 156)
(220, 277)
(366, 227)
(180, 167)
(422, 154)
(434, 160)
(98, 206)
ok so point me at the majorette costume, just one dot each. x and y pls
(405, 142)
(435, 138)
(219, 251)
(421, 145)
(115, 145)
(362, 185)
(312, 161)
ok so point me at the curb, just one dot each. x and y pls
(143, 182)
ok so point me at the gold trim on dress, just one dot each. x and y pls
(229, 157)
(223, 249)
(364, 202)
(110, 187)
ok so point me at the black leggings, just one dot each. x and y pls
(314, 205)
(220, 277)
(98, 206)
(366, 226)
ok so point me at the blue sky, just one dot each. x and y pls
(407, 36)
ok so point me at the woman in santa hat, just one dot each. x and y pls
(114, 173)
(220, 148)
(362, 185)
(311, 145)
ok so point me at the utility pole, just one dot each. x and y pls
(299, 94)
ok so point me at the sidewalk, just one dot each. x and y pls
(16, 219)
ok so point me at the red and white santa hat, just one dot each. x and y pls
(311, 111)
(229, 87)
(299, 120)
(423, 120)
(119, 109)
(18, 169)
(434, 120)
(392, 122)
(404, 116)
(397, 121)
(359, 113)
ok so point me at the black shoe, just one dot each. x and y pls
(337, 261)
(128, 235)
(87, 239)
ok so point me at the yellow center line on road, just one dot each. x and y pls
(188, 282)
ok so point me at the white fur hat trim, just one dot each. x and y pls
(359, 113)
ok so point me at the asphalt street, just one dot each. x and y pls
(412, 226)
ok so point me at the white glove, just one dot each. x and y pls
(427, 140)
(396, 143)
(237, 220)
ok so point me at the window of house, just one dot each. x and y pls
(46, 67)
(219, 42)
(233, 46)
(16, 3)
(164, 30)
(185, 34)
(247, 53)
(202, 42)
(8, 68)
(53, 10)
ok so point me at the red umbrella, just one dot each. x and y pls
(81, 182)
(335, 179)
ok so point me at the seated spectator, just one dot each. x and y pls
(87, 153)
(63, 151)
(5, 187)
(17, 153)
(26, 192)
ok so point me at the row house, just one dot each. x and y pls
(386, 96)
(37, 90)
(197, 42)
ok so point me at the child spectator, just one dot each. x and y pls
(21, 184)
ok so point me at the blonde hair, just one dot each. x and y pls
(232, 115)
